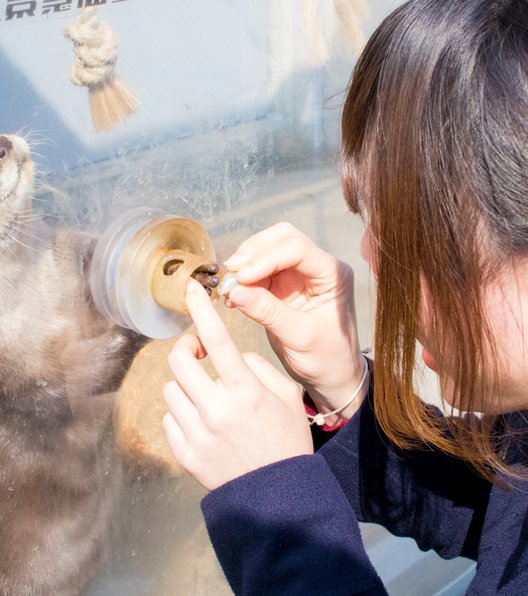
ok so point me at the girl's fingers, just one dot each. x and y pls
(276, 249)
(270, 377)
(291, 253)
(270, 312)
(181, 407)
(260, 241)
(189, 372)
(224, 355)
(175, 436)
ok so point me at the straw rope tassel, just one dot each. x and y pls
(351, 13)
(317, 46)
(95, 48)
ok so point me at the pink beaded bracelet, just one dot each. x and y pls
(319, 419)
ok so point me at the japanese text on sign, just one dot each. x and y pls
(20, 10)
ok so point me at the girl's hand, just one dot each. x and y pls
(251, 416)
(304, 297)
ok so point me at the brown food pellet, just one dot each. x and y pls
(210, 281)
(205, 274)
(210, 268)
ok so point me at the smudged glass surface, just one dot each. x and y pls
(237, 129)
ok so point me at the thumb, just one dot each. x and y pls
(263, 307)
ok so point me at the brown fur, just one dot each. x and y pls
(60, 363)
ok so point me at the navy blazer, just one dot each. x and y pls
(292, 527)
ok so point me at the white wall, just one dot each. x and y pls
(195, 65)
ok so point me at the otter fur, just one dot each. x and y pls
(60, 364)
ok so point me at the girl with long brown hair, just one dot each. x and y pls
(435, 158)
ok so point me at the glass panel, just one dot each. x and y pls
(237, 128)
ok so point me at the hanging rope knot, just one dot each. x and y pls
(95, 49)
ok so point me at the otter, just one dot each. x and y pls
(60, 364)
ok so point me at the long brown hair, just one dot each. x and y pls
(435, 150)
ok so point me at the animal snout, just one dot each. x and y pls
(5, 146)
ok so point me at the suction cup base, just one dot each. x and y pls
(129, 280)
